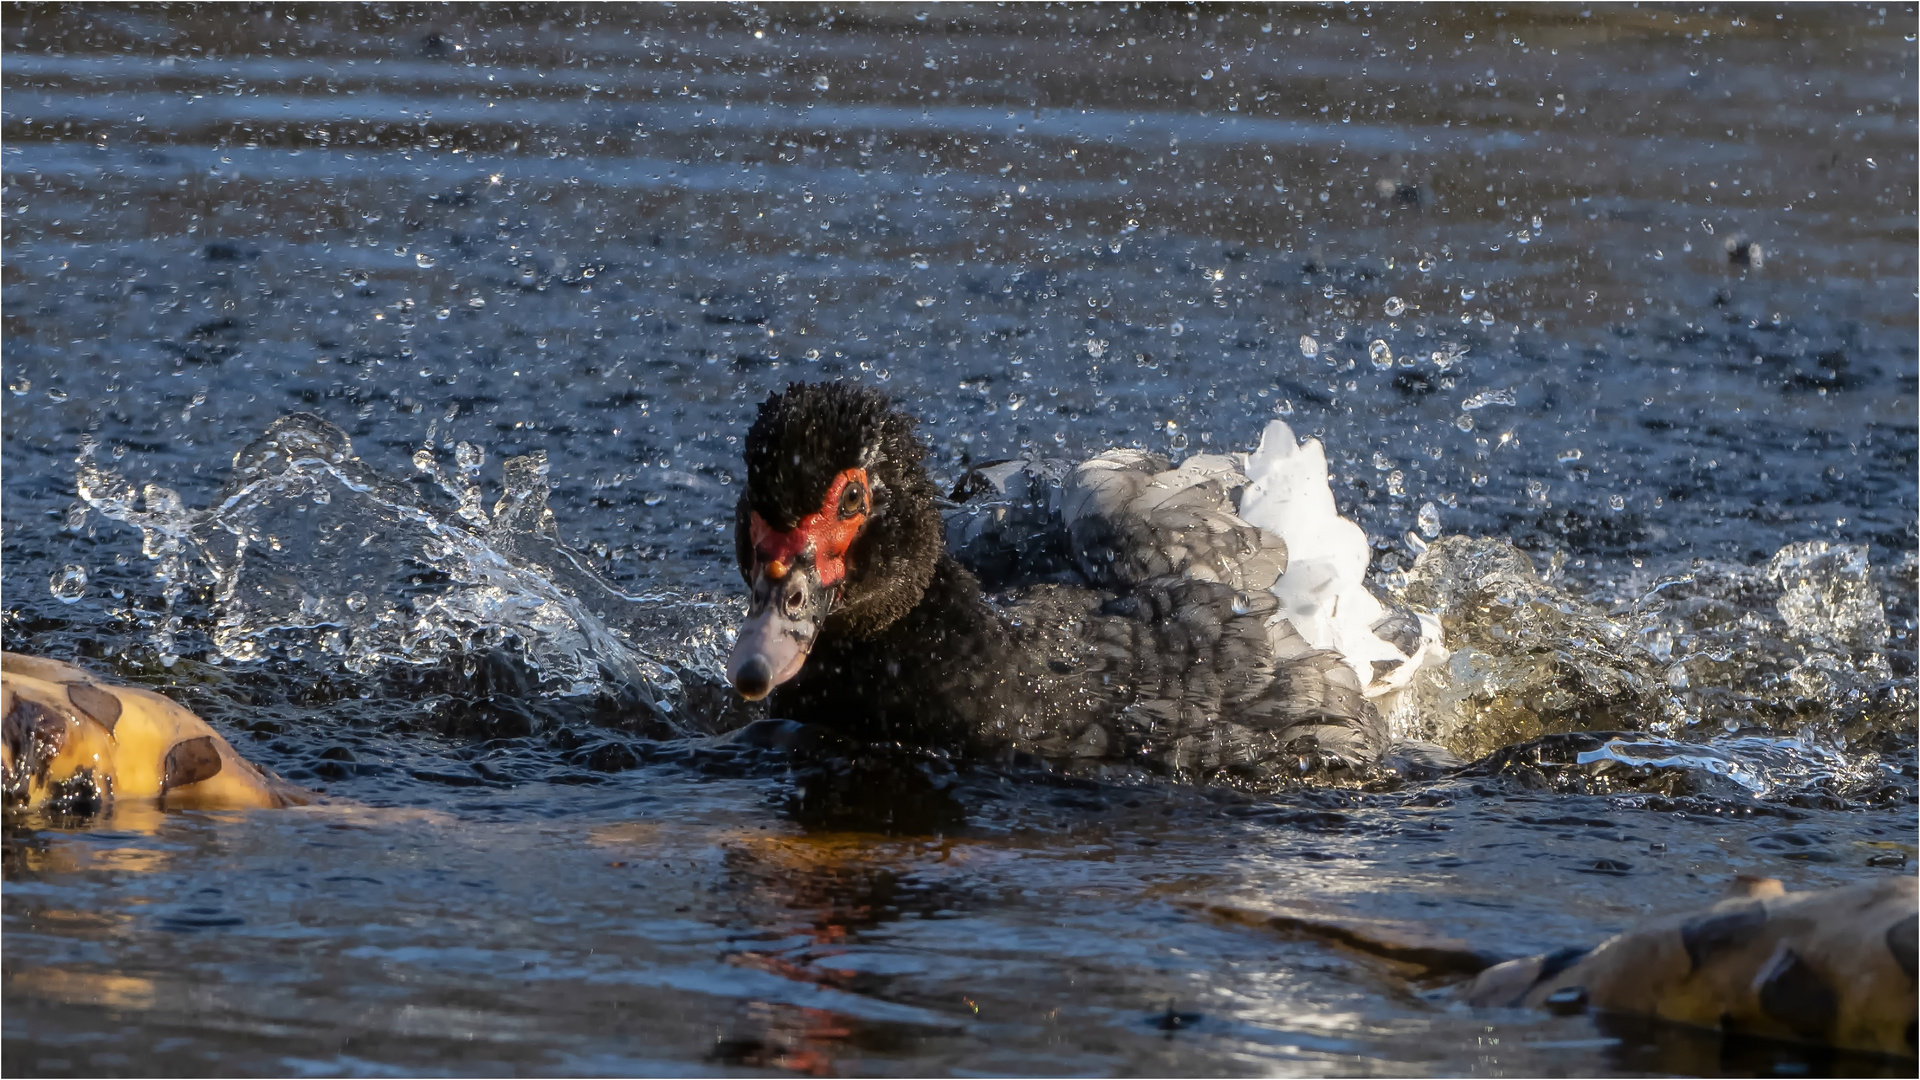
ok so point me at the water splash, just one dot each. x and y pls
(1779, 667)
(1763, 766)
(313, 554)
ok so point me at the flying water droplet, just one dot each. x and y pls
(1489, 397)
(1429, 520)
(1309, 348)
(1616, 502)
(1381, 356)
(1394, 306)
(69, 584)
(423, 260)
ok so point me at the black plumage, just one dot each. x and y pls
(1130, 626)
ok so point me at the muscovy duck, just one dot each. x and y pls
(1204, 622)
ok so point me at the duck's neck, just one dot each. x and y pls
(928, 679)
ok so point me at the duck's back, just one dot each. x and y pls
(1148, 617)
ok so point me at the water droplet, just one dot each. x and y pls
(1616, 502)
(356, 601)
(56, 395)
(821, 82)
(1381, 461)
(653, 498)
(1464, 422)
(1425, 264)
(1467, 293)
(1429, 520)
(443, 314)
(1309, 348)
(1570, 454)
(476, 301)
(1489, 397)
(69, 584)
(469, 457)
(1381, 356)
(1486, 318)
(1207, 75)
(1179, 441)
(1394, 306)
(423, 260)
(1177, 329)
(358, 280)
(20, 388)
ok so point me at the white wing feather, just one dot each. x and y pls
(1324, 593)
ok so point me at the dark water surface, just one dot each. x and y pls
(1643, 283)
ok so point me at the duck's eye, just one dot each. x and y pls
(853, 499)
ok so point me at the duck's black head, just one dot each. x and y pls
(837, 532)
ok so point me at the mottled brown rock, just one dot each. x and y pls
(75, 745)
(1833, 967)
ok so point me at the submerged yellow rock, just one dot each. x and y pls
(77, 744)
(1833, 967)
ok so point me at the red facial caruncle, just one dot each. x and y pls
(826, 533)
